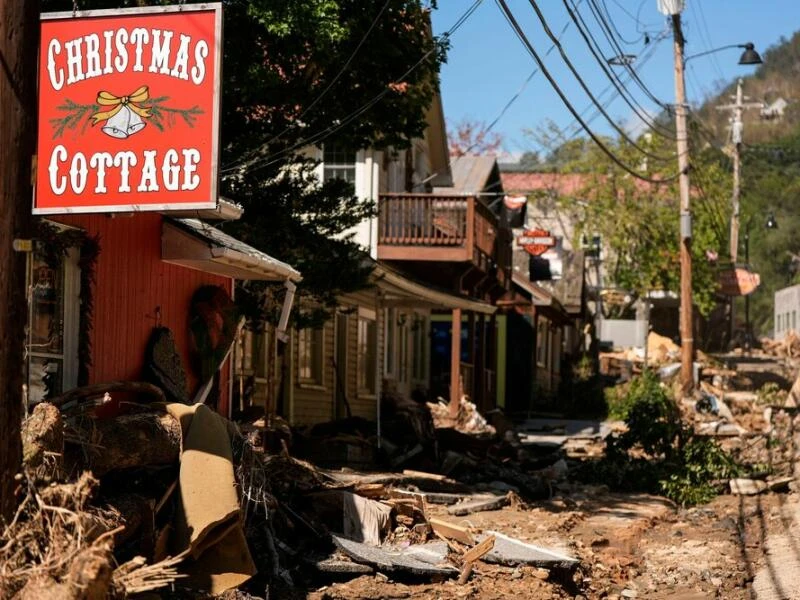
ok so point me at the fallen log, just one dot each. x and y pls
(136, 440)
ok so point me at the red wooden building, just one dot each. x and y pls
(146, 272)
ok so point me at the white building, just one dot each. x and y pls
(787, 305)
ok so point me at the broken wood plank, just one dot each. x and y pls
(480, 550)
(466, 571)
(372, 491)
(424, 475)
(432, 497)
(452, 531)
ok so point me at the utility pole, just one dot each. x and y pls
(19, 41)
(686, 321)
(737, 128)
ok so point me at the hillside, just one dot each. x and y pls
(778, 78)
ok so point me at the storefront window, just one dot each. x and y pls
(45, 330)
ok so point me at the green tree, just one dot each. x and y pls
(639, 221)
(771, 186)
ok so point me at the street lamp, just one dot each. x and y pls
(770, 223)
(748, 57)
(673, 9)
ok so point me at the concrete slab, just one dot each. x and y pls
(555, 432)
(337, 565)
(413, 559)
(512, 552)
(478, 503)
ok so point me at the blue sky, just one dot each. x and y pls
(487, 64)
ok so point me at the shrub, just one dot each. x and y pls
(658, 453)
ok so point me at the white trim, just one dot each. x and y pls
(216, 101)
(72, 315)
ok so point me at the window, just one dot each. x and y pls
(794, 320)
(366, 355)
(778, 324)
(310, 351)
(339, 163)
(52, 343)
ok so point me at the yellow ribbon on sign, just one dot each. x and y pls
(118, 102)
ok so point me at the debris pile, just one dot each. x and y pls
(787, 347)
(468, 420)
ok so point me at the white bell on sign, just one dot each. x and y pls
(136, 123)
(123, 124)
(117, 126)
(671, 7)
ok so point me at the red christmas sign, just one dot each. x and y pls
(129, 109)
(536, 241)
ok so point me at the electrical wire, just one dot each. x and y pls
(588, 92)
(333, 81)
(608, 34)
(313, 139)
(619, 34)
(705, 35)
(521, 89)
(532, 51)
(611, 74)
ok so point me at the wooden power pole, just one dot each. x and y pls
(686, 317)
(19, 41)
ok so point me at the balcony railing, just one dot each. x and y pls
(437, 228)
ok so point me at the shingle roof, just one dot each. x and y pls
(471, 175)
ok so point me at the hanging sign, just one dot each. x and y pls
(738, 282)
(536, 241)
(129, 109)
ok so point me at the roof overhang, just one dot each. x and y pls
(397, 290)
(193, 244)
(226, 210)
(539, 296)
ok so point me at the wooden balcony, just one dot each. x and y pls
(426, 227)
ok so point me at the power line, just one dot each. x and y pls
(336, 78)
(562, 134)
(705, 35)
(608, 14)
(612, 75)
(523, 38)
(525, 83)
(607, 33)
(586, 89)
(313, 139)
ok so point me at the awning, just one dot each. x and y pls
(197, 245)
(398, 290)
(539, 296)
(226, 210)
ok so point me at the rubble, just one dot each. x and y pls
(468, 420)
(509, 551)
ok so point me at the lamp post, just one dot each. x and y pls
(770, 223)
(673, 9)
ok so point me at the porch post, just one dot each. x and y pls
(455, 364)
